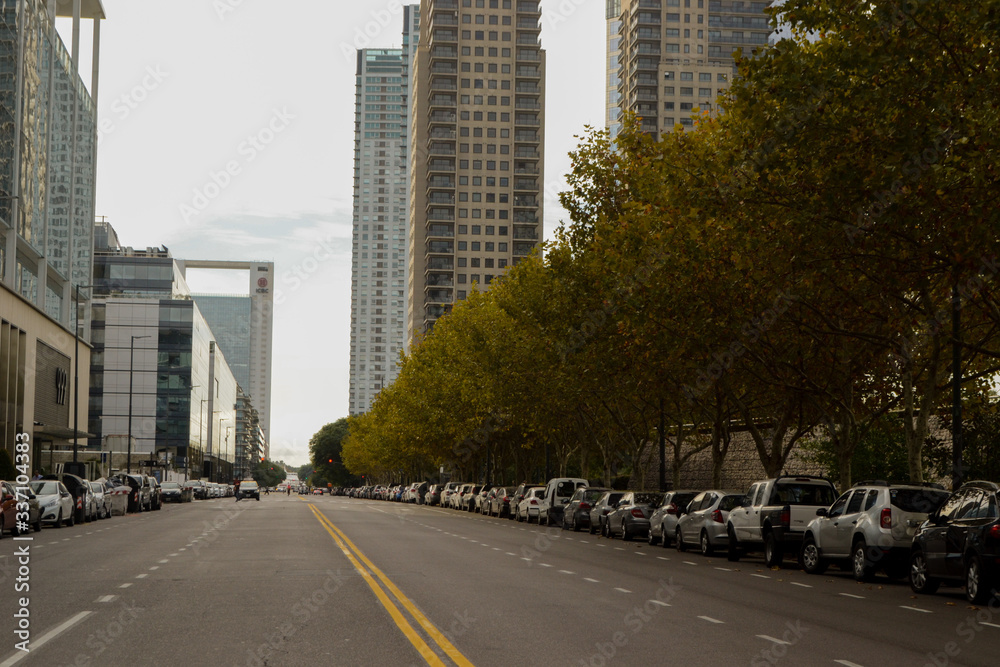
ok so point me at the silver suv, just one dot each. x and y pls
(871, 527)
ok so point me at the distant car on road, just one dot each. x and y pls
(249, 489)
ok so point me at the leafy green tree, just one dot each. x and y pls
(325, 449)
(269, 473)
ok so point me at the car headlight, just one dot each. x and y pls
(51, 502)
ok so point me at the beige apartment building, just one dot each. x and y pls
(676, 56)
(477, 158)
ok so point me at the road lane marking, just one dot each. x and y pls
(847, 663)
(623, 590)
(566, 572)
(856, 597)
(165, 560)
(46, 638)
(775, 640)
(155, 567)
(141, 576)
(760, 576)
(662, 604)
(593, 581)
(689, 562)
(922, 611)
(639, 553)
(723, 569)
(992, 625)
(795, 583)
(125, 585)
(106, 598)
(712, 620)
(354, 555)
(661, 558)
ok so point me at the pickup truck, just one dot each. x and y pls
(774, 514)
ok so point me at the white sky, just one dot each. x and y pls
(229, 69)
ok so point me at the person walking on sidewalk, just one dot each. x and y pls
(236, 490)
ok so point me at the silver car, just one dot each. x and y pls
(663, 523)
(55, 501)
(631, 515)
(102, 502)
(704, 523)
(600, 510)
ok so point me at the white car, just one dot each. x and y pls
(531, 504)
(55, 502)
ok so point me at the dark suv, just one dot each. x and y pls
(960, 544)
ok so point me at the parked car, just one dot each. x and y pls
(138, 499)
(102, 501)
(199, 488)
(599, 512)
(663, 523)
(774, 515)
(479, 500)
(250, 489)
(631, 515)
(960, 544)
(517, 497)
(704, 523)
(871, 527)
(83, 497)
(558, 491)
(529, 506)
(10, 490)
(420, 493)
(576, 515)
(8, 510)
(468, 501)
(171, 492)
(447, 492)
(55, 500)
(433, 496)
(499, 502)
(155, 499)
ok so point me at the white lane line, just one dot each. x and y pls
(91, 533)
(566, 572)
(760, 576)
(155, 567)
(165, 560)
(847, 663)
(584, 542)
(106, 598)
(776, 641)
(545, 565)
(174, 554)
(922, 611)
(511, 553)
(496, 548)
(623, 590)
(639, 553)
(125, 585)
(602, 545)
(690, 562)
(723, 569)
(662, 604)
(141, 576)
(661, 558)
(619, 549)
(856, 597)
(593, 581)
(46, 638)
(992, 625)
(711, 620)
(527, 559)
(795, 583)
(182, 549)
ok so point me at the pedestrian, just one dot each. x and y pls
(236, 490)
(288, 491)
(38, 474)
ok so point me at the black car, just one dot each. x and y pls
(171, 492)
(959, 544)
(576, 514)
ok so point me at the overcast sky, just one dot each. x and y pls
(227, 133)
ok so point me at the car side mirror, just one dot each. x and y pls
(822, 511)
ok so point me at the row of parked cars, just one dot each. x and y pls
(66, 499)
(918, 532)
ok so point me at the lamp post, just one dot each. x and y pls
(131, 369)
(228, 429)
(221, 419)
(201, 431)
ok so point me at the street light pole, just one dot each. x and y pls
(131, 372)
(76, 372)
(221, 419)
(201, 432)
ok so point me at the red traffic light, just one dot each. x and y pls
(331, 460)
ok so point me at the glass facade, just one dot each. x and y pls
(229, 319)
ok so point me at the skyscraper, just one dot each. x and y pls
(48, 153)
(378, 275)
(478, 113)
(612, 100)
(675, 59)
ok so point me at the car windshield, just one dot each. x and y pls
(248, 485)
(647, 498)
(170, 485)
(803, 494)
(44, 488)
(923, 501)
(683, 499)
(614, 498)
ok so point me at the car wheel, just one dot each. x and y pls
(773, 554)
(679, 541)
(591, 530)
(978, 587)
(664, 536)
(706, 545)
(38, 523)
(59, 520)
(3, 527)
(920, 581)
(862, 566)
(72, 519)
(733, 552)
(576, 526)
(812, 563)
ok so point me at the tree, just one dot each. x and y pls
(269, 473)
(325, 448)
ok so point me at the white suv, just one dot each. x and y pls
(871, 526)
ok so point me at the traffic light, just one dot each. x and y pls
(330, 460)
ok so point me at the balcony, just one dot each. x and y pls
(439, 264)
(527, 154)
(525, 184)
(445, 4)
(438, 296)
(440, 231)
(529, 55)
(442, 133)
(439, 280)
(442, 198)
(525, 168)
(528, 24)
(437, 83)
(443, 101)
(526, 119)
(525, 202)
(527, 103)
(522, 248)
(443, 36)
(443, 52)
(437, 214)
(441, 149)
(434, 312)
(528, 72)
(522, 233)
(443, 19)
(441, 165)
(440, 183)
(528, 89)
(442, 117)
(526, 136)
(440, 247)
(528, 8)
(444, 69)
(524, 217)
(527, 39)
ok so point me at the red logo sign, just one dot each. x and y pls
(262, 282)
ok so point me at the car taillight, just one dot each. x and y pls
(672, 509)
(886, 519)
(786, 516)
(994, 532)
(637, 513)
(506, 499)
(717, 516)
(584, 506)
(534, 502)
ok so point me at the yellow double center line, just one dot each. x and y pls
(356, 557)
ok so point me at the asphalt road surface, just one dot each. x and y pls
(318, 580)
